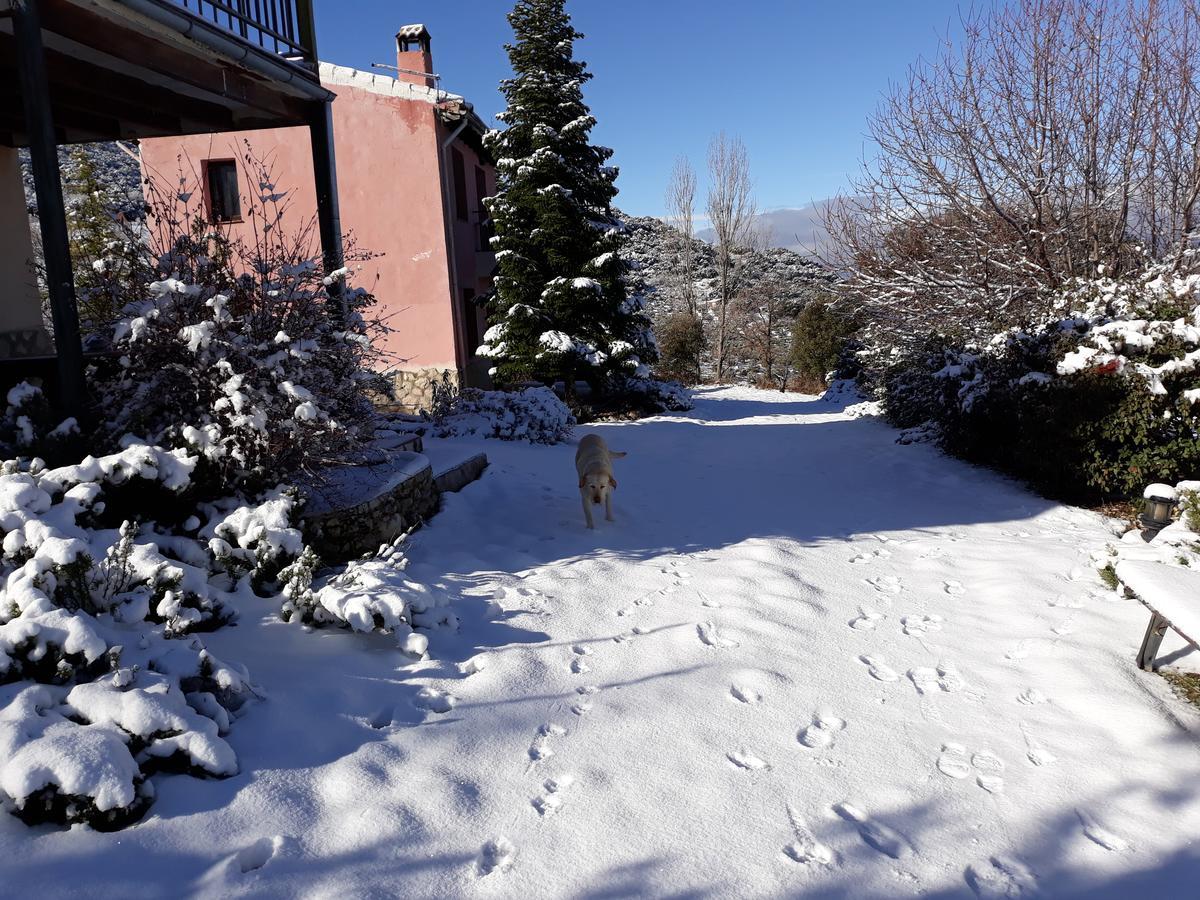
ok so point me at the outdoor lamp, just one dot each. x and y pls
(1156, 514)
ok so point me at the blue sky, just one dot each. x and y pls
(795, 79)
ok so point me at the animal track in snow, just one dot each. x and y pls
(540, 748)
(745, 759)
(806, 849)
(579, 666)
(953, 762)
(709, 636)
(918, 625)
(1098, 834)
(1020, 651)
(744, 694)
(1032, 697)
(955, 588)
(434, 700)
(259, 853)
(1001, 878)
(989, 766)
(1065, 627)
(929, 680)
(885, 584)
(866, 621)
(1035, 752)
(551, 801)
(878, 668)
(1062, 601)
(495, 856)
(822, 732)
(874, 834)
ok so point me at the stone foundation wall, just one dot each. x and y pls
(414, 388)
(344, 534)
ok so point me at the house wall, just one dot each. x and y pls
(387, 143)
(21, 329)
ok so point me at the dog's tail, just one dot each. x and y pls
(615, 454)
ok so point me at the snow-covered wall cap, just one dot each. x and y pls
(344, 76)
(1159, 492)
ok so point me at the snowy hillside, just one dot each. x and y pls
(114, 167)
(653, 248)
(803, 661)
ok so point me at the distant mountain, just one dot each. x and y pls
(799, 230)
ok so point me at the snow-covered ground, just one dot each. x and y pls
(803, 661)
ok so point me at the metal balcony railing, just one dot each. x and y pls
(282, 27)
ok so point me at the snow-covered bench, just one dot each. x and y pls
(1172, 594)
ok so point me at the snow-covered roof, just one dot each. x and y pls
(451, 107)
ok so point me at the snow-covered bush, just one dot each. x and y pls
(647, 396)
(243, 352)
(371, 594)
(1096, 403)
(101, 683)
(534, 414)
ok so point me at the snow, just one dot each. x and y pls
(804, 660)
(1171, 591)
(1159, 492)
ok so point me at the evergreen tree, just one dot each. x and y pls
(560, 308)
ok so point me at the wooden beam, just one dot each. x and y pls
(52, 216)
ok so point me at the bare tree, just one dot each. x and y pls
(1057, 139)
(766, 309)
(731, 212)
(681, 213)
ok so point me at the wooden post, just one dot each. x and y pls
(43, 158)
(329, 218)
(1151, 642)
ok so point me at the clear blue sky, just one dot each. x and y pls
(795, 79)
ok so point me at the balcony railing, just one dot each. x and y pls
(282, 27)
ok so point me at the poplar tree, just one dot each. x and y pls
(560, 309)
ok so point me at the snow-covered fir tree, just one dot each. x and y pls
(560, 309)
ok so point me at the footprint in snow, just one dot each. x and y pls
(584, 705)
(806, 849)
(1098, 834)
(551, 801)
(711, 604)
(885, 584)
(579, 664)
(1001, 877)
(258, 854)
(878, 668)
(744, 694)
(866, 621)
(745, 759)
(1032, 697)
(1037, 754)
(953, 762)
(540, 749)
(434, 700)
(1063, 601)
(710, 637)
(1020, 651)
(955, 588)
(823, 731)
(989, 766)
(929, 680)
(495, 856)
(918, 625)
(874, 834)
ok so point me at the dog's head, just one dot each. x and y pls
(596, 487)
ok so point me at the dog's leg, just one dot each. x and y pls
(608, 506)
(587, 511)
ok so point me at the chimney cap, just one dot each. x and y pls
(413, 33)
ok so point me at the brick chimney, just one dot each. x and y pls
(413, 55)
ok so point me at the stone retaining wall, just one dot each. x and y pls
(348, 533)
(414, 388)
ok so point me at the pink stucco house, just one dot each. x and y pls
(411, 176)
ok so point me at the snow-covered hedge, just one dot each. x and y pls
(534, 414)
(1097, 403)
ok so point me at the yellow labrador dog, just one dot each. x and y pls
(593, 462)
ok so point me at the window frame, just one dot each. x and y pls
(210, 167)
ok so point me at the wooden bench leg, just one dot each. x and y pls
(1150, 643)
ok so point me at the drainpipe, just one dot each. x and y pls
(448, 215)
